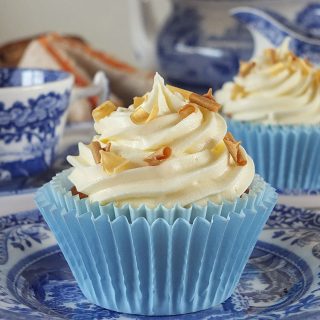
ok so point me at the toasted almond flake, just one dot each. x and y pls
(137, 101)
(246, 67)
(95, 148)
(75, 192)
(209, 95)
(291, 57)
(237, 92)
(185, 93)
(107, 148)
(204, 102)
(317, 77)
(241, 159)
(104, 110)
(271, 55)
(159, 156)
(276, 68)
(305, 68)
(234, 149)
(113, 163)
(140, 116)
(186, 110)
(308, 62)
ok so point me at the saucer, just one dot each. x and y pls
(280, 281)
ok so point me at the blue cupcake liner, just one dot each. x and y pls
(183, 260)
(286, 156)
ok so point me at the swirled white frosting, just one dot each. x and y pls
(199, 168)
(280, 88)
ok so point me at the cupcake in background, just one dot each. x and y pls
(273, 107)
(161, 211)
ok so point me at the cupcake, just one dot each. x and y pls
(273, 107)
(160, 212)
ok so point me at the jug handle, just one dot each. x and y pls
(99, 87)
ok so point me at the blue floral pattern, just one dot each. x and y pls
(36, 122)
(309, 19)
(276, 28)
(281, 280)
(67, 147)
(30, 128)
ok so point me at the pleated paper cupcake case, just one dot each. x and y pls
(157, 267)
(59, 193)
(287, 157)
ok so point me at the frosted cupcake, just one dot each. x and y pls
(161, 211)
(273, 107)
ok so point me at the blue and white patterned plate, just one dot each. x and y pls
(281, 280)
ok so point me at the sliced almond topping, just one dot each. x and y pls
(209, 95)
(292, 57)
(277, 68)
(95, 148)
(308, 62)
(271, 55)
(107, 148)
(104, 110)
(234, 149)
(246, 67)
(113, 163)
(238, 92)
(204, 102)
(140, 116)
(317, 77)
(186, 110)
(305, 67)
(185, 93)
(137, 101)
(159, 156)
(75, 192)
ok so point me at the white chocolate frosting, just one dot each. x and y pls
(199, 167)
(275, 88)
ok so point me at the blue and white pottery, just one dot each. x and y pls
(72, 134)
(33, 112)
(280, 281)
(269, 29)
(33, 105)
(200, 45)
(309, 19)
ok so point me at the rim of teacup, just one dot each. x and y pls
(66, 77)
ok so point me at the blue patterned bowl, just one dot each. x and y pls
(33, 104)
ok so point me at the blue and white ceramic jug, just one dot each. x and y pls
(201, 42)
(269, 29)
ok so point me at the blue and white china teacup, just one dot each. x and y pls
(33, 112)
